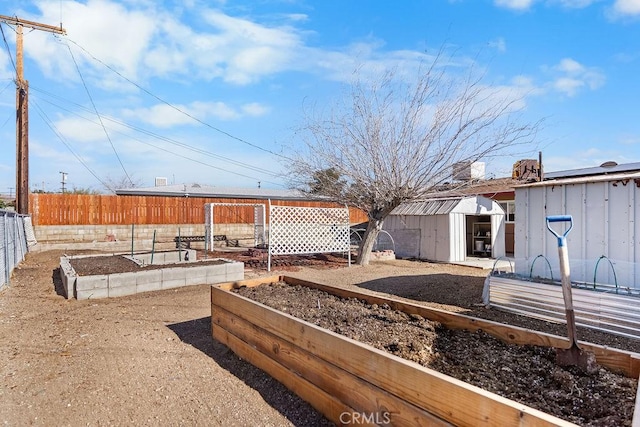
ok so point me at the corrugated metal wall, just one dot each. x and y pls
(433, 237)
(13, 243)
(604, 215)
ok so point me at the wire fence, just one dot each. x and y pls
(16, 233)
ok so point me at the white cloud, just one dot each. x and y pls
(577, 4)
(515, 4)
(110, 32)
(521, 5)
(499, 44)
(79, 130)
(166, 116)
(139, 42)
(160, 115)
(630, 140)
(570, 77)
(587, 158)
(255, 109)
(626, 7)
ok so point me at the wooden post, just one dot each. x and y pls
(22, 111)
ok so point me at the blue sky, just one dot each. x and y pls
(212, 91)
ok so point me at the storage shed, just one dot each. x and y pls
(447, 229)
(604, 239)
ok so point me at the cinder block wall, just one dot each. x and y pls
(105, 233)
(118, 237)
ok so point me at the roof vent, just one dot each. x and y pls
(160, 181)
(467, 171)
(608, 164)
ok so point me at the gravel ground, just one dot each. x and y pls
(149, 359)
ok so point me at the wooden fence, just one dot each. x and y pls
(83, 209)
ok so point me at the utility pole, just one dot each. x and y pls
(22, 110)
(64, 180)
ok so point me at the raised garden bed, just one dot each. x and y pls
(116, 275)
(614, 311)
(342, 376)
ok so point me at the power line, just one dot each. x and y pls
(49, 123)
(154, 135)
(98, 114)
(168, 151)
(174, 107)
(15, 69)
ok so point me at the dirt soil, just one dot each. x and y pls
(149, 359)
(526, 374)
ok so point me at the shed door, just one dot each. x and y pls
(457, 240)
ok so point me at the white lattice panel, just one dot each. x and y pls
(299, 230)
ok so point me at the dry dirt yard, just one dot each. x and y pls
(149, 359)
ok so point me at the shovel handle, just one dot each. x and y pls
(560, 218)
(563, 255)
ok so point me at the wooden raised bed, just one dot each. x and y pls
(345, 379)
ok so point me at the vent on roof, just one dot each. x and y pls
(608, 164)
(467, 171)
(160, 181)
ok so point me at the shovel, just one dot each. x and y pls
(574, 355)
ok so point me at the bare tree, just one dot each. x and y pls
(112, 184)
(393, 140)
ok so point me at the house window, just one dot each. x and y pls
(509, 210)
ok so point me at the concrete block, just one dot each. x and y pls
(149, 286)
(212, 279)
(119, 291)
(173, 283)
(148, 276)
(233, 268)
(85, 283)
(68, 277)
(122, 279)
(196, 275)
(169, 274)
(93, 294)
(149, 281)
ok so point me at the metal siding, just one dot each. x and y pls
(497, 236)
(432, 236)
(428, 235)
(405, 232)
(443, 240)
(617, 314)
(604, 224)
(407, 243)
(619, 231)
(595, 204)
(427, 207)
(457, 233)
(521, 227)
(574, 205)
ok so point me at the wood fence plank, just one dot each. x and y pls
(92, 209)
